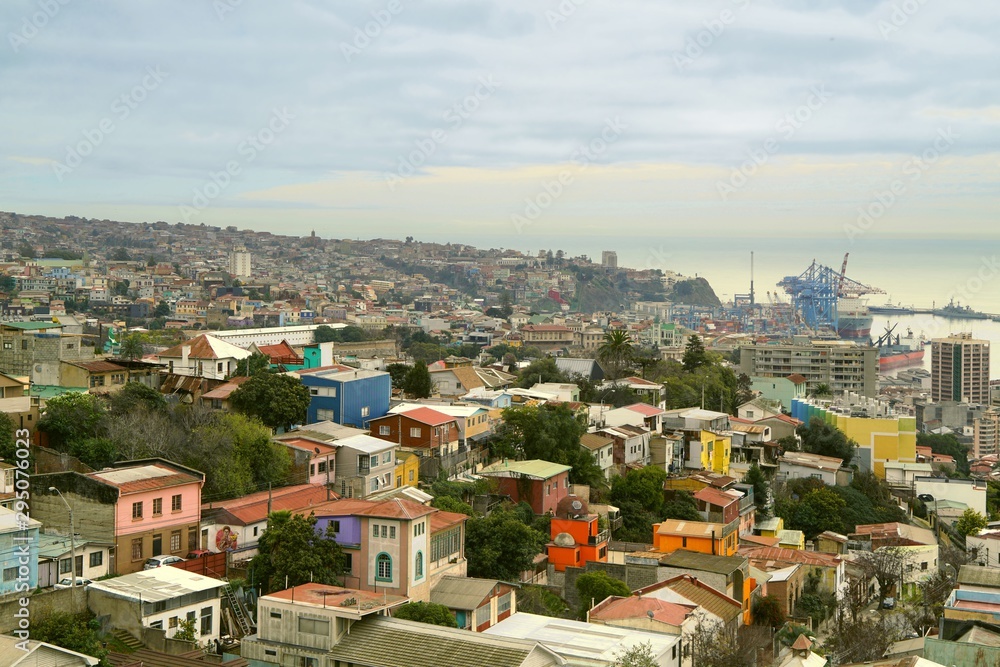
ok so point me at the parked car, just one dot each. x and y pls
(67, 582)
(197, 553)
(157, 561)
(889, 603)
(926, 497)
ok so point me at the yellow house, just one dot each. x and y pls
(770, 527)
(407, 469)
(716, 450)
(880, 440)
(98, 375)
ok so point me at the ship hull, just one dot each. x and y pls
(900, 359)
(854, 328)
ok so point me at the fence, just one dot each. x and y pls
(209, 565)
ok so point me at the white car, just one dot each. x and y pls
(67, 582)
(157, 561)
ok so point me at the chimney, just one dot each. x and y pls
(185, 351)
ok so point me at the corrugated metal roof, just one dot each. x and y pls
(535, 468)
(977, 575)
(693, 560)
(462, 593)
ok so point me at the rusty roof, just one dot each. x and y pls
(99, 366)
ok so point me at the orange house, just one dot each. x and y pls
(576, 537)
(700, 536)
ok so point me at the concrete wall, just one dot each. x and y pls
(634, 576)
(41, 605)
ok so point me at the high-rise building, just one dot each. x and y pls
(239, 263)
(609, 259)
(986, 434)
(840, 365)
(960, 369)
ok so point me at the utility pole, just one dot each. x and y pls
(72, 541)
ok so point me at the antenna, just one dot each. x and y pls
(751, 278)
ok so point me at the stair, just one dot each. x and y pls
(246, 627)
(127, 639)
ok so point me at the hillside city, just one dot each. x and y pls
(229, 447)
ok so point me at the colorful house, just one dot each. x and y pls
(880, 440)
(473, 421)
(353, 397)
(145, 508)
(422, 429)
(476, 604)
(16, 536)
(541, 484)
(702, 536)
(576, 537)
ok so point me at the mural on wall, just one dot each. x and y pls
(225, 539)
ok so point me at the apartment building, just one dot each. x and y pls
(960, 369)
(841, 365)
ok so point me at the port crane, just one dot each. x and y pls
(816, 291)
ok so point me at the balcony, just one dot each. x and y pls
(601, 537)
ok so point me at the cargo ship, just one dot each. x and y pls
(898, 351)
(854, 319)
(891, 309)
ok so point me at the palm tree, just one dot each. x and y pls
(131, 347)
(615, 354)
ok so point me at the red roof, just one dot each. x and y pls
(779, 555)
(394, 508)
(444, 520)
(638, 380)
(785, 418)
(97, 366)
(715, 497)
(425, 416)
(309, 445)
(154, 480)
(616, 608)
(280, 352)
(645, 409)
(254, 507)
(223, 391)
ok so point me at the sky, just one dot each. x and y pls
(508, 119)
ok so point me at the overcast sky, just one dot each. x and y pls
(519, 117)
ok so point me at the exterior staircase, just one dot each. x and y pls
(127, 639)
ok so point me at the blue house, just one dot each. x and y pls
(351, 398)
(18, 549)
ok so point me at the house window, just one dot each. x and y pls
(348, 562)
(483, 615)
(374, 484)
(255, 529)
(374, 530)
(387, 457)
(392, 532)
(65, 566)
(137, 549)
(96, 558)
(418, 529)
(192, 539)
(157, 506)
(418, 566)
(305, 661)
(373, 462)
(314, 392)
(137, 510)
(175, 503)
(336, 526)
(365, 411)
(175, 540)
(206, 621)
(411, 475)
(325, 416)
(503, 604)
(156, 624)
(385, 532)
(415, 432)
(384, 430)
(312, 469)
(157, 544)
(219, 370)
(172, 622)
(322, 466)
(383, 567)
(276, 614)
(9, 573)
(314, 626)
(684, 542)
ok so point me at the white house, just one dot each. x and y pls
(969, 491)
(205, 357)
(160, 598)
(804, 464)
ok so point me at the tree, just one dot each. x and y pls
(818, 511)
(695, 355)
(120, 254)
(7, 283)
(615, 353)
(885, 565)
(970, 523)
(819, 437)
(8, 443)
(640, 655)
(417, 383)
(426, 612)
(257, 362)
(278, 400)
(452, 504)
(135, 395)
(595, 587)
(767, 611)
(761, 489)
(947, 444)
(863, 638)
(325, 334)
(501, 546)
(551, 433)
(639, 496)
(540, 370)
(506, 303)
(714, 645)
(186, 630)
(292, 549)
(132, 347)
(398, 374)
(76, 632)
(71, 417)
(744, 390)
(682, 507)
(162, 309)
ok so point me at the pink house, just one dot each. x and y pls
(145, 508)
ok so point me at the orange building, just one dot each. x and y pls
(576, 536)
(701, 536)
